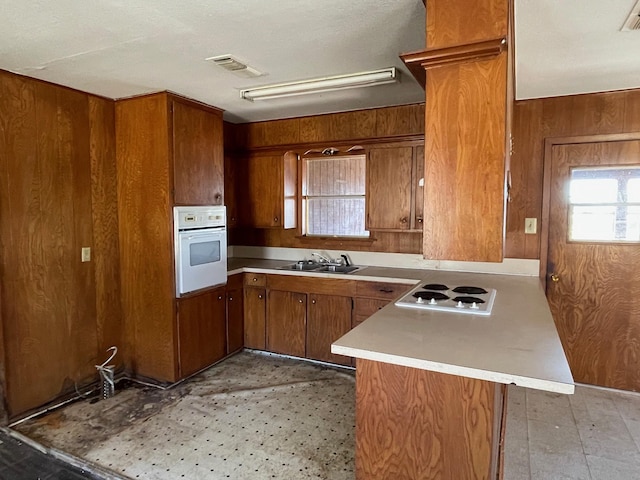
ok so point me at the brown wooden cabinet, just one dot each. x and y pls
(394, 188)
(235, 314)
(148, 172)
(286, 322)
(255, 318)
(266, 197)
(198, 158)
(328, 318)
(201, 331)
(373, 296)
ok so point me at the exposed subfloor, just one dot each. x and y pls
(262, 417)
(250, 417)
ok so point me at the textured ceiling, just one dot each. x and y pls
(118, 48)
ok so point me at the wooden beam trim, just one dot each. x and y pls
(418, 62)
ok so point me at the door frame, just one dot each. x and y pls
(549, 143)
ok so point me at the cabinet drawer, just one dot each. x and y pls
(368, 306)
(381, 290)
(255, 279)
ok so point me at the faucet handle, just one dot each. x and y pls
(345, 260)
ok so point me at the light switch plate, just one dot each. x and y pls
(86, 254)
(530, 226)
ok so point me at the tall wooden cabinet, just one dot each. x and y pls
(164, 155)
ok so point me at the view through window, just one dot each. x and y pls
(333, 196)
(604, 204)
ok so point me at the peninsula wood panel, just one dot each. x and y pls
(465, 161)
(461, 22)
(535, 120)
(413, 423)
(48, 295)
(198, 155)
(145, 220)
(106, 246)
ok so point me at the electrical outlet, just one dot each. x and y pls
(531, 226)
(86, 254)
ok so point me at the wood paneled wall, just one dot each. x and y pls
(56, 196)
(535, 120)
(300, 134)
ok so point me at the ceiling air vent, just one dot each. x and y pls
(633, 22)
(235, 66)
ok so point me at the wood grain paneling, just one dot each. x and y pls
(286, 322)
(328, 319)
(536, 120)
(49, 296)
(106, 247)
(465, 161)
(414, 423)
(275, 132)
(381, 290)
(142, 152)
(197, 155)
(465, 21)
(402, 120)
(338, 126)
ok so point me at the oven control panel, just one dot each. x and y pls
(189, 218)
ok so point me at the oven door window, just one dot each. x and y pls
(202, 253)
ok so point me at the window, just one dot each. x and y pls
(604, 204)
(333, 196)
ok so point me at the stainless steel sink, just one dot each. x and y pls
(311, 266)
(338, 269)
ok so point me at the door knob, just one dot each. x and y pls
(554, 277)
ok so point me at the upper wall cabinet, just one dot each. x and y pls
(264, 191)
(394, 188)
(198, 170)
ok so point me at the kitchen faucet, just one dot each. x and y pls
(322, 257)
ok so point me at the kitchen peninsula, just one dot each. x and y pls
(430, 385)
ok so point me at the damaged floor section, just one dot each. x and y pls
(252, 416)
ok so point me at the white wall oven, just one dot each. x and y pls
(200, 247)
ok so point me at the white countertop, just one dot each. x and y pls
(517, 344)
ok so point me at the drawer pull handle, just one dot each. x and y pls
(386, 290)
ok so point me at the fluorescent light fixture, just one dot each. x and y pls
(324, 84)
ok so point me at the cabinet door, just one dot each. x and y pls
(286, 318)
(254, 318)
(262, 205)
(328, 318)
(235, 322)
(201, 331)
(198, 157)
(232, 175)
(389, 181)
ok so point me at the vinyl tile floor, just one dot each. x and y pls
(257, 416)
(591, 435)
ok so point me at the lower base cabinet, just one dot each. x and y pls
(286, 322)
(201, 331)
(328, 319)
(255, 301)
(235, 324)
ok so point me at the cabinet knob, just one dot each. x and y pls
(255, 279)
(419, 219)
(403, 220)
(219, 297)
(230, 299)
(260, 296)
(313, 301)
(218, 196)
(300, 301)
(275, 219)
